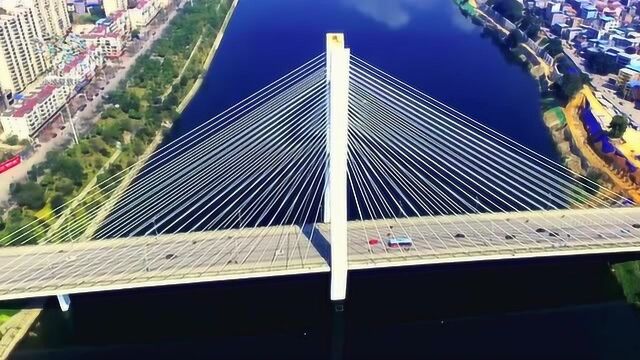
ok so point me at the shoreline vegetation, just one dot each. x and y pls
(132, 125)
(560, 101)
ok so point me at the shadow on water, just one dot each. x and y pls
(567, 308)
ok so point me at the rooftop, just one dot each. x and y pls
(31, 101)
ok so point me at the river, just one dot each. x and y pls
(552, 309)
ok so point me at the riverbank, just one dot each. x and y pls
(159, 136)
(572, 143)
(207, 63)
(17, 326)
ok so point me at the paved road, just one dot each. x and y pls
(500, 236)
(271, 251)
(182, 258)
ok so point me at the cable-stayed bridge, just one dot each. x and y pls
(335, 166)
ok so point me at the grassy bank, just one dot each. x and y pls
(6, 314)
(628, 275)
(141, 107)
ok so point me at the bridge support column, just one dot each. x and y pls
(65, 302)
(336, 193)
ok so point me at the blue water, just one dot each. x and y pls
(556, 309)
(426, 43)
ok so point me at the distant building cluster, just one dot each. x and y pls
(46, 57)
(609, 28)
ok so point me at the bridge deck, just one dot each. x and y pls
(450, 239)
(101, 265)
(114, 264)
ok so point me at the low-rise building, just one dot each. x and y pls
(118, 22)
(141, 15)
(78, 70)
(570, 33)
(622, 42)
(588, 12)
(29, 115)
(557, 18)
(590, 32)
(608, 23)
(624, 59)
(627, 74)
(552, 7)
(112, 43)
(111, 6)
(558, 28)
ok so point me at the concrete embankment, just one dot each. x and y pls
(12, 331)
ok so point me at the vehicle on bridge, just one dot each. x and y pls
(399, 241)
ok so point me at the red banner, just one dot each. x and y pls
(8, 164)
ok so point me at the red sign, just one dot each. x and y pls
(8, 164)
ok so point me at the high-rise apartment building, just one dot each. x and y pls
(22, 52)
(111, 6)
(52, 15)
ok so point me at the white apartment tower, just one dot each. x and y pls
(22, 58)
(111, 6)
(52, 15)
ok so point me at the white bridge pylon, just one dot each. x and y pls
(335, 206)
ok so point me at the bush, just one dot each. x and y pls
(65, 186)
(511, 9)
(29, 194)
(514, 38)
(554, 47)
(618, 126)
(57, 203)
(12, 140)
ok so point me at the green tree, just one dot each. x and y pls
(137, 147)
(12, 140)
(65, 186)
(532, 31)
(554, 47)
(69, 168)
(23, 232)
(514, 39)
(511, 9)
(618, 126)
(570, 84)
(530, 24)
(111, 133)
(29, 194)
(57, 203)
(99, 146)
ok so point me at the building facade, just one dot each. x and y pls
(76, 72)
(111, 6)
(141, 15)
(111, 43)
(28, 116)
(52, 16)
(22, 58)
